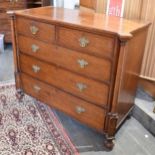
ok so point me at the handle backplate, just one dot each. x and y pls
(34, 48)
(35, 68)
(34, 29)
(83, 63)
(80, 110)
(81, 86)
(83, 42)
(36, 88)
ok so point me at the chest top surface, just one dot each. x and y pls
(92, 21)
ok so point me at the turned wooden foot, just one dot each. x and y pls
(128, 117)
(19, 94)
(109, 144)
(111, 129)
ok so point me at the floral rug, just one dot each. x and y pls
(29, 127)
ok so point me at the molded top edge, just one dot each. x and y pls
(121, 27)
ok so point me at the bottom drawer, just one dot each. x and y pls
(81, 110)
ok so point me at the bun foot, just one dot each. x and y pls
(19, 94)
(109, 144)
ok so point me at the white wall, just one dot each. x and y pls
(66, 3)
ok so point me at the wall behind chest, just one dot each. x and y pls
(66, 3)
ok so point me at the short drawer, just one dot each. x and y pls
(79, 86)
(83, 64)
(86, 42)
(77, 108)
(35, 29)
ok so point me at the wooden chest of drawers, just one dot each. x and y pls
(6, 5)
(84, 64)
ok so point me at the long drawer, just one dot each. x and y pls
(84, 88)
(5, 24)
(3, 15)
(84, 64)
(37, 30)
(2, 1)
(10, 5)
(79, 109)
(86, 42)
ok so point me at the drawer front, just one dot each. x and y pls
(87, 89)
(86, 42)
(37, 30)
(1, 1)
(77, 108)
(5, 24)
(15, 1)
(4, 5)
(10, 5)
(83, 64)
(3, 15)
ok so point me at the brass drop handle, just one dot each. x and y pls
(36, 88)
(34, 48)
(34, 29)
(83, 42)
(80, 110)
(83, 63)
(81, 86)
(35, 68)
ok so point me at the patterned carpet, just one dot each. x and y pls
(29, 127)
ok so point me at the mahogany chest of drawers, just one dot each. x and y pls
(84, 64)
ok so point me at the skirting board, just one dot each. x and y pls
(148, 84)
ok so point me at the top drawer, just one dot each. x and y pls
(86, 42)
(35, 29)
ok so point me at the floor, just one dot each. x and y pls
(131, 139)
(143, 112)
(6, 65)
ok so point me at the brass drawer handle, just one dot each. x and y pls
(80, 110)
(36, 88)
(82, 63)
(34, 48)
(34, 29)
(35, 68)
(83, 42)
(81, 86)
